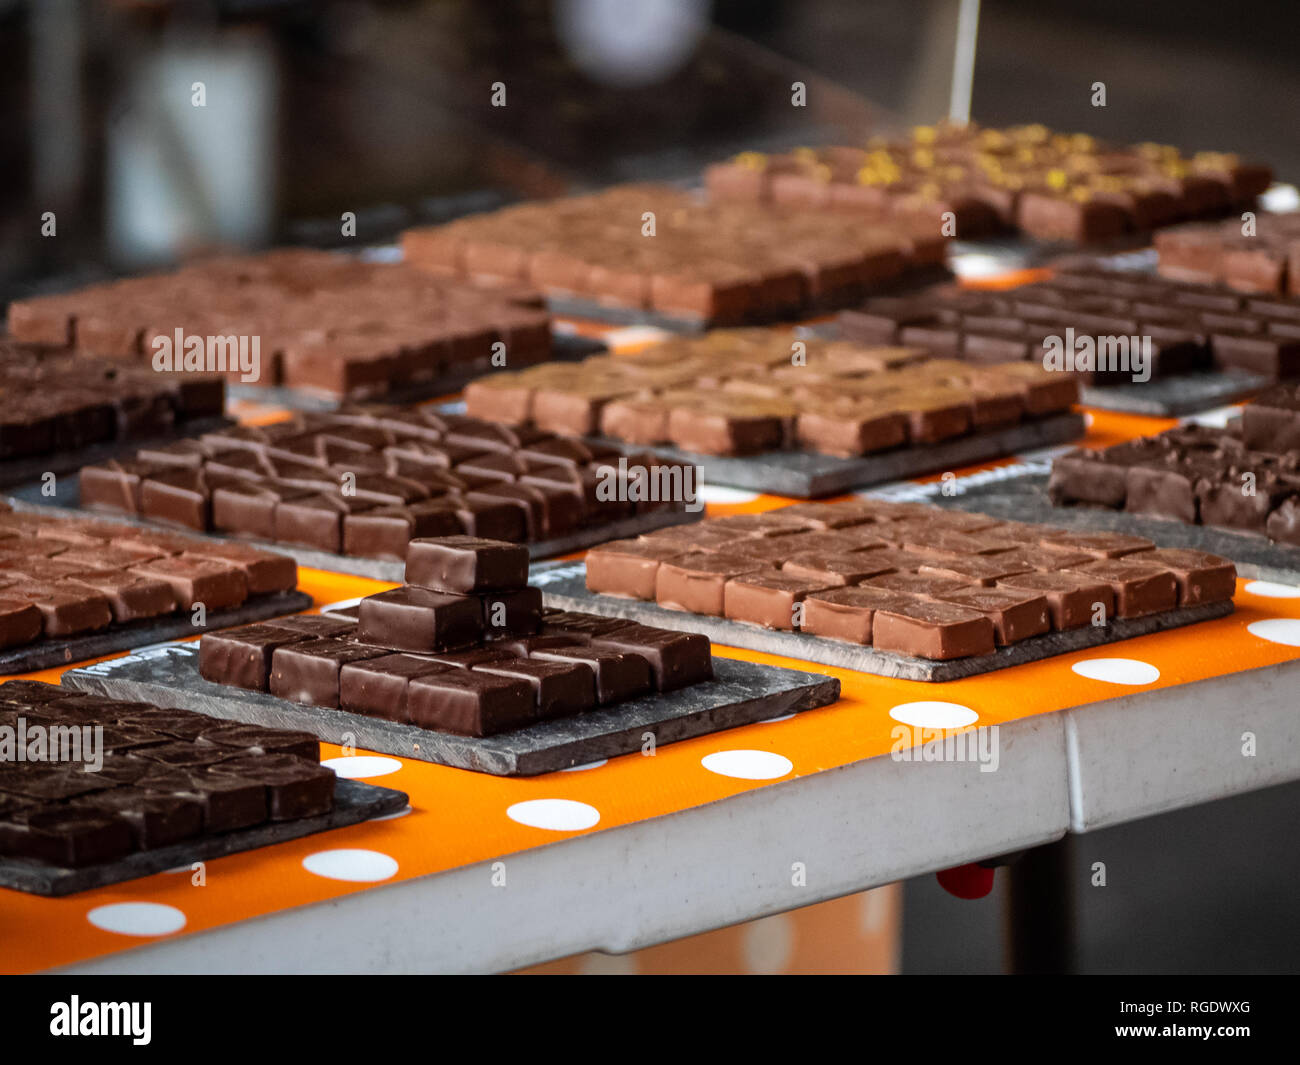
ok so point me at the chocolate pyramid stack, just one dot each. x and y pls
(464, 646)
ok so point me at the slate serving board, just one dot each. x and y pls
(740, 693)
(68, 500)
(810, 475)
(49, 653)
(1025, 498)
(354, 802)
(24, 470)
(564, 585)
(565, 347)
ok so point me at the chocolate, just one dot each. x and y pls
(215, 584)
(469, 702)
(559, 689)
(378, 686)
(713, 263)
(1073, 599)
(151, 789)
(619, 676)
(770, 599)
(517, 613)
(628, 567)
(833, 569)
(242, 656)
(415, 619)
(295, 787)
(932, 629)
(739, 393)
(677, 659)
(1198, 474)
(1140, 588)
(1016, 614)
(1201, 577)
(465, 564)
(696, 583)
(847, 613)
(307, 671)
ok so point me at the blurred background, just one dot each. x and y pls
(154, 130)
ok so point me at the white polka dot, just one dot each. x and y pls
(137, 918)
(934, 714)
(393, 816)
(768, 944)
(1273, 591)
(358, 866)
(1277, 630)
(1117, 670)
(716, 493)
(342, 604)
(876, 907)
(596, 964)
(360, 766)
(747, 765)
(584, 767)
(1088, 419)
(774, 720)
(558, 815)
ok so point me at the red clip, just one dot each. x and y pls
(970, 881)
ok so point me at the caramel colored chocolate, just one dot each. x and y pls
(935, 630)
(696, 583)
(1073, 599)
(1140, 588)
(628, 567)
(769, 599)
(847, 613)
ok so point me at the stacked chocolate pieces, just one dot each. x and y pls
(1184, 326)
(648, 247)
(318, 321)
(1054, 186)
(137, 777)
(1266, 260)
(62, 577)
(463, 647)
(365, 480)
(745, 391)
(904, 577)
(1246, 477)
(53, 403)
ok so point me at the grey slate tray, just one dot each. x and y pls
(564, 585)
(68, 500)
(1025, 499)
(565, 347)
(24, 470)
(50, 653)
(740, 694)
(810, 475)
(1161, 397)
(354, 802)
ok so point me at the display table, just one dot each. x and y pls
(488, 874)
